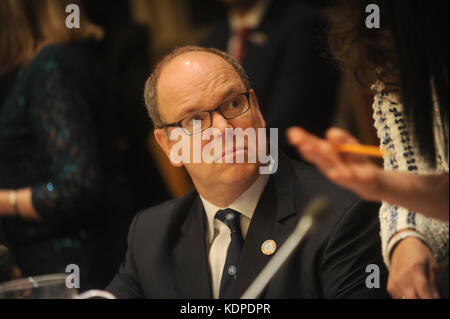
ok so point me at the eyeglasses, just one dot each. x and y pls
(229, 109)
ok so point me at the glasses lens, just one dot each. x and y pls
(235, 106)
(196, 122)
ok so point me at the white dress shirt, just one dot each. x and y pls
(218, 235)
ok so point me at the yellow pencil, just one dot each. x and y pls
(368, 150)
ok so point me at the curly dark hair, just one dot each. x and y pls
(409, 52)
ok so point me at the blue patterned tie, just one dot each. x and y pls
(231, 218)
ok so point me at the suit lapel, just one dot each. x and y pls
(272, 220)
(261, 228)
(190, 265)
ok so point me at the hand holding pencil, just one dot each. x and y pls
(341, 158)
(361, 149)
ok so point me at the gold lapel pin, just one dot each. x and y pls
(268, 247)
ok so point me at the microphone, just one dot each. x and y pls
(316, 211)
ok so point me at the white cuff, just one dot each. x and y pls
(395, 239)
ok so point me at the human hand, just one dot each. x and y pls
(413, 270)
(354, 172)
(16, 273)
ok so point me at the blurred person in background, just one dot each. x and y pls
(279, 44)
(125, 51)
(407, 59)
(128, 58)
(60, 187)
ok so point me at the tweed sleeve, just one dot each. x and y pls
(401, 155)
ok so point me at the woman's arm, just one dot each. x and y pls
(425, 194)
(23, 208)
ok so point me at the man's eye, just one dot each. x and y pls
(233, 104)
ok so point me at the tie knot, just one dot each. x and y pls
(230, 218)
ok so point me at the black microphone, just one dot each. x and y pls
(316, 211)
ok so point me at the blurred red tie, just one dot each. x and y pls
(242, 43)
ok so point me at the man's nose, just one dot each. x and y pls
(220, 123)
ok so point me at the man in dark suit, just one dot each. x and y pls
(282, 47)
(214, 241)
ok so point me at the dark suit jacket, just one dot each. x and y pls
(167, 256)
(294, 82)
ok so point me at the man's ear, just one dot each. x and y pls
(164, 142)
(255, 104)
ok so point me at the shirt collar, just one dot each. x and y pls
(244, 204)
(252, 19)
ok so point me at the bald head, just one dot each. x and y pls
(184, 67)
(188, 74)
